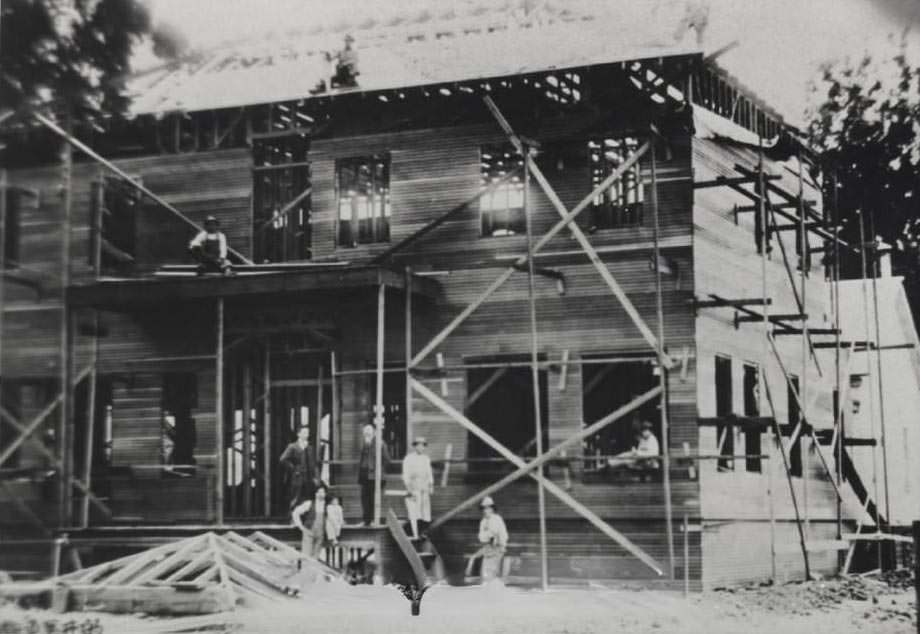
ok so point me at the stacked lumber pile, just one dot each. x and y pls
(205, 574)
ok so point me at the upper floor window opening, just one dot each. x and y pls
(282, 201)
(363, 199)
(115, 208)
(502, 208)
(621, 204)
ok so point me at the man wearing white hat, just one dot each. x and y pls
(493, 535)
(419, 481)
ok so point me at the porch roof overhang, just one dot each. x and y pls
(122, 293)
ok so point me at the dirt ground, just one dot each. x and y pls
(821, 607)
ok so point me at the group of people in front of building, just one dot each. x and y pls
(307, 493)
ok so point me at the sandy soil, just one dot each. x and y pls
(836, 606)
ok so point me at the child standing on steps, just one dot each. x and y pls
(335, 520)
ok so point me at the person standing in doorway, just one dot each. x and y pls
(419, 481)
(367, 471)
(299, 469)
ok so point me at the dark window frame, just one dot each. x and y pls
(792, 413)
(725, 408)
(495, 421)
(114, 210)
(281, 172)
(618, 437)
(621, 205)
(501, 211)
(752, 436)
(372, 225)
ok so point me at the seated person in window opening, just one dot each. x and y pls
(209, 249)
(644, 454)
(493, 535)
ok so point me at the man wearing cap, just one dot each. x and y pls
(493, 535)
(209, 249)
(419, 481)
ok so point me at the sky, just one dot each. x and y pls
(782, 44)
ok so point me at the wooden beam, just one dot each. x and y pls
(170, 561)
(550, 454)
(88, 443)
(63, 436)
(219, 413)
(26, 431)
(378, 404)
(267, 428)
(718, 302)
(407, 341)
(542, 242)
(550, 486)
(70, 139)
(723, 181)
(284, 210)
(564, 370)
(484, 387)
(579, 235)
(437, 222)
(742, 422)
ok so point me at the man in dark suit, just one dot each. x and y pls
(299, 468)
(367, 470)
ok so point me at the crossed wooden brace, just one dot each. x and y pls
(566, 221)
(527, 468)
(26, 435)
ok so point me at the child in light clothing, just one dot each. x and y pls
(335, 520)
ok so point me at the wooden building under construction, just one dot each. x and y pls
(503, 235)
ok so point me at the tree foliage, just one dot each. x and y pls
(70, 55)
(867, 131)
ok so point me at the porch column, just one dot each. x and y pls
(219, 413)
(378, 405)
(407, 412)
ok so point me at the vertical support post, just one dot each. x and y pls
(97, 224)
(88, 444)
(878, 365)
(378, 405)
(410, 423)
(776, 442)
(334, 423)
(804, 261)
(320, 379)
(534, 366)
(246, 431)
(662, 370)
(838, 412)
(64, 486)
(916, 526)
(219, 415)
(3, 189)
(868, 382)
(686, 555)
(267, 431)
